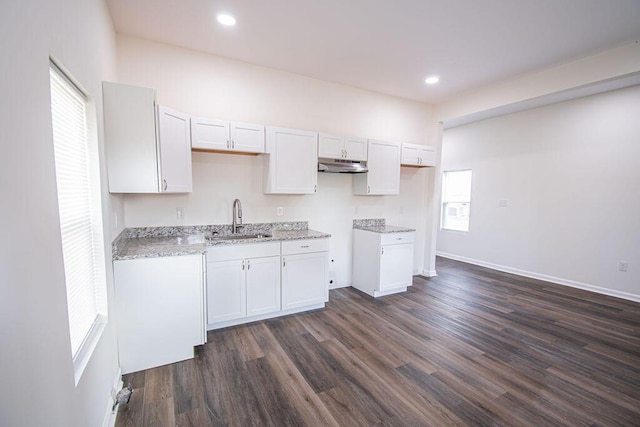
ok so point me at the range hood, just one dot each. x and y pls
(341, 166)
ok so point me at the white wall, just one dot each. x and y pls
(35, 356)
(570, 173)
(205, 85)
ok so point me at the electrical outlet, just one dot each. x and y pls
(401, 210)
(180, 213)
(279, 211)
(116, 221)
(503, 203)
(623, 266)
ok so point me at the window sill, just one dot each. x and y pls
(90, 343)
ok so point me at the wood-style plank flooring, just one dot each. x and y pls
(471, 346)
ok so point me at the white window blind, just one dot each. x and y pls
(78, 184)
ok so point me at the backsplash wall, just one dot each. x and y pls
(210, 86)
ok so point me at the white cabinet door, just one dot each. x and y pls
(396, 266)
(410, 154)
(210, 134)
(247, 137)
(226, 291)
(418, 155)
(222, 135)
(263, 285)
(384, 170)
(331, 146)
(175, 151)
(356, 149)
(304, 279)
(427, 155)
(292, 162)
(340, 147)
(159, 310)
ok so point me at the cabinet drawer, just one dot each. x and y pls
(305, 246)
(231, 252)
(391, 238)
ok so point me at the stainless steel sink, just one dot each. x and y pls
(238, 236)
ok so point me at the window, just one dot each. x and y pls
(456, 200)
(79, 204)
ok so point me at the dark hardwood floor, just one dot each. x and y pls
(471, 346)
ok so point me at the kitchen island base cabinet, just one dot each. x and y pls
(159, 310)
(382, 262)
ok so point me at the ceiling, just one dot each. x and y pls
(390, 46)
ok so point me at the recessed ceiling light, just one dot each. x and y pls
(226, 19)
(431, 80)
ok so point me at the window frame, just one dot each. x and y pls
(443, 201)
(86, 347)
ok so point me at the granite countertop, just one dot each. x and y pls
(148, 242)
(378, 225)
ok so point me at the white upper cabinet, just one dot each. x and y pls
(418, 155)
(355, 149)
(148, 148)
(291, 163)
(384, 170)
(223, 135)
(340, 147)
(175, 160)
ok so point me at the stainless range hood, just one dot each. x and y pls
(341, 166)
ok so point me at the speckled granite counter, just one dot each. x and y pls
(378, 225)
(147, 242)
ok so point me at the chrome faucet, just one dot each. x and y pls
(237, 216)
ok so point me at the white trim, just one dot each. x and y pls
(90, 343)
(429, 273)
(607, 85)
(109, 419)
(340, 285)
(544, 277)
(243, 320)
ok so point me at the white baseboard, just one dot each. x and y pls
(110, 416)
(557, 280)
(429, 273)
(339, 285)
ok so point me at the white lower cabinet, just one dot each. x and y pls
(159, 310)
(382, 262)
(258, 281)
(305, 266)
(242, 281)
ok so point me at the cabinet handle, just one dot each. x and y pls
(228, 143)
(233, 144)
(315, 188)
(368, 189)
(304, 246)
(248, 265)
(382, 251)
(164, 185)
(398, 238)
(243, 264)
(284, 263)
